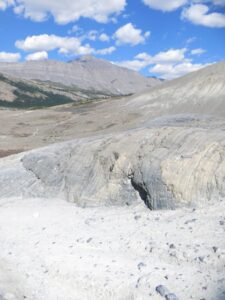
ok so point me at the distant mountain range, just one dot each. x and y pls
(82, 79)
(22, 93)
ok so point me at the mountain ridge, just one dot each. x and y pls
(20, 93)
(86, 73)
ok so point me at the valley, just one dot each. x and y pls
(120, 198)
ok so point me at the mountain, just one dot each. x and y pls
(86, 73)
(175, 127)
(78, 217)
(22, 93)
(198, 92)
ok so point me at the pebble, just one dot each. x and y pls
(171, 297)
(141, 265)
(201, 258)
(190, 221)
(162, 290)
(215, 249)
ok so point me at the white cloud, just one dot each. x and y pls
(104, 37)
(170, 56)
(106, 51)
(130, 35)
(75, 29)
(135, 64)
(147, 34)
(5, 4)
(144, 56)
(45, 42)
(198, 51)
(9, 57)
(170, 5)
(199, 15)
(94, 35)
(196, 11)
(165, 5)
(168, 64)
(143, 60)
(42, 55)
(65, 11)
(191, 40)
(41, 44)
(170, 71)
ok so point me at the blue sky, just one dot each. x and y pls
(156, 37)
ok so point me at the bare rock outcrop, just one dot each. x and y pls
(166, 167)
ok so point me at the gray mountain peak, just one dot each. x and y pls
(87, 73)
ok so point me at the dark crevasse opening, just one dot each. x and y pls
(142, 192)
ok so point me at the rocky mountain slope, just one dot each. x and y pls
(86, 73)
(20, 93)
(198, 92)
(16, 93)
(130, 204)
(150, 153)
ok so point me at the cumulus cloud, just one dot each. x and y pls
(104, 37)
(135, 64)
(168, 64)
(42, 55)
(199, 15)
(165, 5)
(171, 71)
(91, 35)
(198, 51)
(171, 5)
(106, 51)
(195, 11)
(45, 42)
(143, 60)
(9, 57)
(94, 35)
(5, 4)
(170, 56)
(65, 11)
(130, 35)
(72, 46)
(75, 29)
